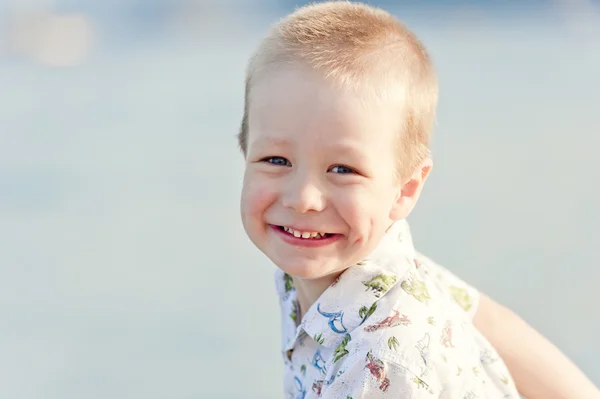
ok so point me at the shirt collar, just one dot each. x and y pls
(336, 314)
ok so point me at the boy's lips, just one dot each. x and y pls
(305, 238)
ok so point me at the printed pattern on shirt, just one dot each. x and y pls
(396, 325)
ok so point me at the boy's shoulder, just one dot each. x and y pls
(418, 331)
(416, 338)
(405, 316)
(417, 315)
(452, 288)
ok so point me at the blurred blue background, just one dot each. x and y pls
(124, 269)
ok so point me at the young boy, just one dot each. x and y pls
(340, 100)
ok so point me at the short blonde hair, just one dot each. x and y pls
(356, 46)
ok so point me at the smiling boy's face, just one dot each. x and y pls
(320, 187)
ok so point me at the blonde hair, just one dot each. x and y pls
(356, 46)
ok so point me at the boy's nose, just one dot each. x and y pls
(303, 197)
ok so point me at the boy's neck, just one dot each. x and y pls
(309, 290)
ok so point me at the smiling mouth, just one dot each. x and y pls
(307, 235)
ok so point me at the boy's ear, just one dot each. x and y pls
(410, 191)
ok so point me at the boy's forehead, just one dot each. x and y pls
(296, 106)
(289, 83)
(293, 94)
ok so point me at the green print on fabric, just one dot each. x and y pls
(431, 320)
(417, 289)
(461, 297)
(295, 311)
(393, 343)
(340, 350)
(380, 284)
(289, 283)
(319, 339)
(364, 313)
(303, 370)
(420, 383)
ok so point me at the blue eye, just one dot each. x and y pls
(280, 161)
(342, 169)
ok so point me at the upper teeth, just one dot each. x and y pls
(303, 234)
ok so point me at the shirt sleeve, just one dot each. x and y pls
(465, 295)
(371, 377)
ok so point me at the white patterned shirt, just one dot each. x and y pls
(395, 325)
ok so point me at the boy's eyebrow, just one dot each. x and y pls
(348, 149)
(270, 141)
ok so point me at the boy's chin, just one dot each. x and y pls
(307, 270)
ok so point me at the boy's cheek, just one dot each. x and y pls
(356, 206)
(363, 213)
(256, 198)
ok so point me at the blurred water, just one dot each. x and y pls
(124, 270)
